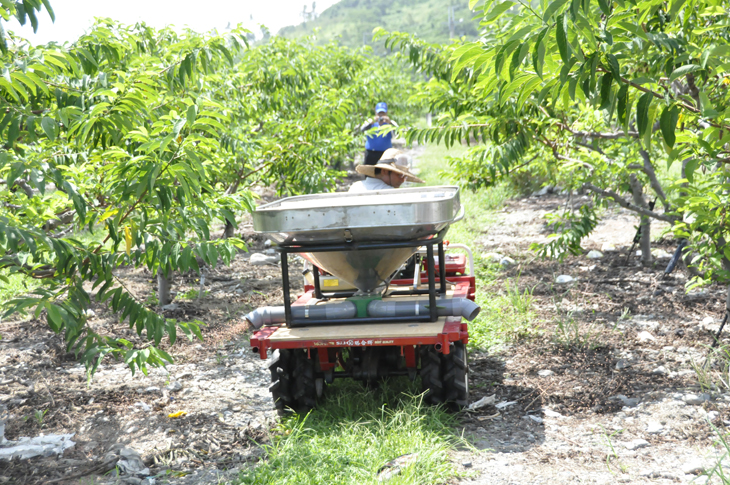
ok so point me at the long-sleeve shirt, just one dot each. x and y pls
(369, 183)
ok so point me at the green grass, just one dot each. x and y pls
(506, 309)
(354, 433)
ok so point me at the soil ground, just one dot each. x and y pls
(586, 397)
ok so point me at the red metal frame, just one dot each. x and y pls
(454, 330)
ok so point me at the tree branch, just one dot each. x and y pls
(610, 194)
(648, 169)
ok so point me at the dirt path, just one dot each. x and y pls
(621, 404)
(610, 408)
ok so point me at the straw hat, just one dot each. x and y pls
(392, 160)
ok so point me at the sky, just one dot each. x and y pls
(73, 17)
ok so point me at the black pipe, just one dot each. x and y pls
(285, 281)
(317, 289)
(442, 268)
(431, 284)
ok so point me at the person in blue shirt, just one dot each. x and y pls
(376, 144)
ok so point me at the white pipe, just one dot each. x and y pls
(445, 307)
(270, 315)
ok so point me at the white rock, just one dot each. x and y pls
(707, 321)
(636, 444)
(645, 337)
(545, 373)
(608, 247)
(170, 307)
(152, 389)
(132, 429)
(143, 406)
(694, 399)
(492, 257)
(564, 279)
(174, 386)
(259, 259)
(661, 370)
(654, 427)
(89, 313)
(507, 262)
(712, 415)
(536, 419)
(594, 254)
(694, 467)
(660, 254)
(544, 191)
(551, 414)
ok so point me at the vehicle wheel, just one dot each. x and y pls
(456, 376)
(431, 381)
(281, 380)
(305, 385)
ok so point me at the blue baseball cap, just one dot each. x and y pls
(381, 107)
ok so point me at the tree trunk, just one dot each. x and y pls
(164, 282)
(229, 230)
(645, 242)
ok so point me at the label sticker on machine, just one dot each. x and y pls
(331, 283)
(353, 343)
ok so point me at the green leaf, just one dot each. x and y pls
(614, 68)
(552, 8)
(683, 70)
(642, 113)
(538, 54)
(561, 35)
(49, 127)
(605, 7)
(668, 123)
(623, 99)
(606, 81)
(498, 10)
(191, 114)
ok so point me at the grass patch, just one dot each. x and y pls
(507, 311)
(354, 433)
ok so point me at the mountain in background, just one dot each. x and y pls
(353, 21)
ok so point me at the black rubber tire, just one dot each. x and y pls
(305, 387)
(431, 381)
(456, 376)
(281, 380)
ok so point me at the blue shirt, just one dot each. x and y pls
(378, 143)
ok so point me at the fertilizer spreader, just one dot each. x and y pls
(381, 296)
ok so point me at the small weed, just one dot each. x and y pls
(613, 455)
(719, 469)
(193, 294)
(152, 299)
(625, 314)
(38, 416)
(714, 372)
(569, 335)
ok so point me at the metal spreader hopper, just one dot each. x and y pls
(342, 233)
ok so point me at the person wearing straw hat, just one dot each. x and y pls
(388, 173)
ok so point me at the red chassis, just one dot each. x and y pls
(345, 336)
